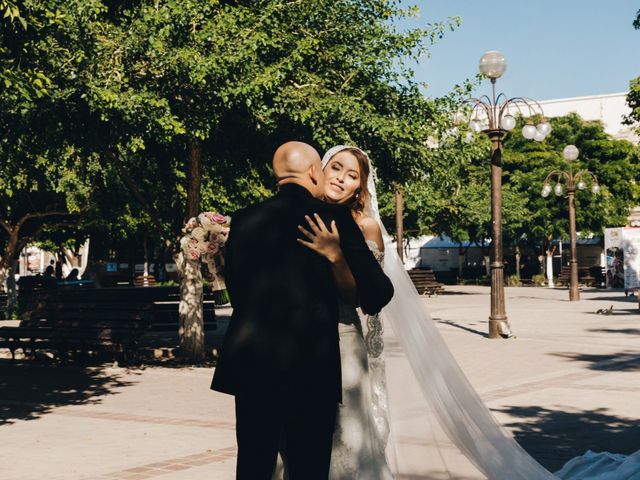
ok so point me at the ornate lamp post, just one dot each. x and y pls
(573, 180)
(494, 116)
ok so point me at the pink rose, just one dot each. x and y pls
(193, 244)
(216, 217)
(213, 248)
(193, 254)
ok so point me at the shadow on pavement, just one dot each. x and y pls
(626, 331)
(614, 298)
(462, 327)
(553, 437)
(619, 312)
(615, 362)
(28, 391)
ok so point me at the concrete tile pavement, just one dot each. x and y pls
(568, 382)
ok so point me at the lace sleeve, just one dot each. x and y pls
(373, 338)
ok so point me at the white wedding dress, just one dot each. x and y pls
(452, 399)
(362, 424)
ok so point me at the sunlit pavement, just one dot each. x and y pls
(569, 382)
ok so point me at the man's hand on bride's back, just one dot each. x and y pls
(322, 239)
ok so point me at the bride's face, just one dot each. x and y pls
(341, 178)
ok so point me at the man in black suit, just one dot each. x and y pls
(280, 357)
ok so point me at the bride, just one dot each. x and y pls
(362, 425)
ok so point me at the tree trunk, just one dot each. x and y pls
(194, 178)
(191, 312)
(518, 261)
(12, 293)
(191, 315)
(487, 265)
(8, 267)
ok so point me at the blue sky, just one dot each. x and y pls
(554, 49)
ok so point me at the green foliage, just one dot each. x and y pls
(513, 281)
(539, 279)
(456, 202)
(633, 97)
(100, 101)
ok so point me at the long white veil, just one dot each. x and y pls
(448, 394)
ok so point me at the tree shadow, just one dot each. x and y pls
(617, 298)
(618, 312)
(30, 390)
(553, 437)
(626, 331)
(615, 362)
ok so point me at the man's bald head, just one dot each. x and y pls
(299, 163)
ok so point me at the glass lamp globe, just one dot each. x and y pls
(475, 125)
(596, 188)
(458, 118)
(508, 122)
(557, 189)
(570, 152)
(493, 64)
(538, 136)
(546, 190)
(529, 131)
(581, 185)
(544, 128)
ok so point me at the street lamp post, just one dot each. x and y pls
(573, 180)
(494, 117)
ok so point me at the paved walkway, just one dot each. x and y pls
(568, 382)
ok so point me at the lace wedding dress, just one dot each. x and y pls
(362, 425)
(451, 398)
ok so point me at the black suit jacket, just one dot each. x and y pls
(283, 334)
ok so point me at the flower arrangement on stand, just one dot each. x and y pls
(204, 239)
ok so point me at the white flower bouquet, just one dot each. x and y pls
(204, 237)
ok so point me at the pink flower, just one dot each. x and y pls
(213, 248)
(193, 254)
(216, 217)
(193, 244)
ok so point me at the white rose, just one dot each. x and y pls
(184, 244)
(199, 234)
(203, 246)
(205, 220)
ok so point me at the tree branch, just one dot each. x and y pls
(133, 188)
(51, 213)
(6, 226)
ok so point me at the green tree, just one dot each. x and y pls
(633, 97)
(48, 173)
(180, 104)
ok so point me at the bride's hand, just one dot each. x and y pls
(323, 240)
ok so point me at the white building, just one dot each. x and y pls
(610, 109)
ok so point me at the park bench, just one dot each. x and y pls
(425, 281)
(69, 321)
(584, 276)
(65, 323)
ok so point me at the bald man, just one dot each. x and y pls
(280, 357)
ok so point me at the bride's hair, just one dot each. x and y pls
(362, 195)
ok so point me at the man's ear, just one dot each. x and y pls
(313, 174)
